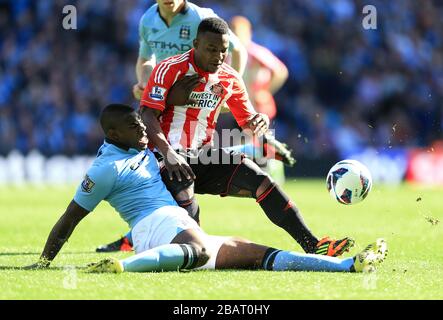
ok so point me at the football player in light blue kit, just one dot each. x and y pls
(126, 174)
(168, 28)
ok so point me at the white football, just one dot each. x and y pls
(349, 181)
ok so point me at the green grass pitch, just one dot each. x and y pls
(402, 215)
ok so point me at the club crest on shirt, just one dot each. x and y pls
(185, 32)
(217, 89)
(157, 93)
(87, 184)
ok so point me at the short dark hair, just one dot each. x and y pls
(112, 114)
(213, 24)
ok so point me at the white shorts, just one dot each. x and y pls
(161, 227)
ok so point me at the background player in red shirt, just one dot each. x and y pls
(181, 126)
(265, 73)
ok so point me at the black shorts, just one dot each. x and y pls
(213, 168)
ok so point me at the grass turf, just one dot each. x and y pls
(413, 269)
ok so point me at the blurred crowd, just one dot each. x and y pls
(348, 87)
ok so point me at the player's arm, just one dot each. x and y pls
(279, 71)
(96, 186)
(239, 60)
(243, 111)
(152, 104)
(279, 75)
(143, 70)
(153, 129)
(145, 63)
(174, 163)
(60, 233)
(239, 54)
(180, 92)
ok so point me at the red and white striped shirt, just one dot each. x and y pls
(192, 126)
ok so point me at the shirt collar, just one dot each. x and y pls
(185, 8)
(121, 146)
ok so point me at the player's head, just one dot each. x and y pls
(242, 28)
(212, 44)
(170, 6)
(123, 125)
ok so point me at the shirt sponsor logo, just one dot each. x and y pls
(205, 100)
(87, 184)
(162, 45)
(157, 93)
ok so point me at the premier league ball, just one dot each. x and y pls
(349, 181)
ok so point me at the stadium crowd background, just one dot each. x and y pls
(348, 87)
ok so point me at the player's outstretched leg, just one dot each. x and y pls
(170, 257)
(186, 251)
(243, 254)
(282, 211)
(365, 261)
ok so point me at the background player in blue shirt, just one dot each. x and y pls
(126, 174)
(167, 29)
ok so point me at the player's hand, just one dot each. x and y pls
(259, 124)
(179, 93)
(39, 265)
(176, 164)
(137, 91)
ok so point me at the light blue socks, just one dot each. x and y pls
(289, 260)
(169, 257)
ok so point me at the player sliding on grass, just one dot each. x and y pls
(180, 125)
(126, 174)
(168, 28)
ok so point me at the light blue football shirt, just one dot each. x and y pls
(160, 41)
(128, 179)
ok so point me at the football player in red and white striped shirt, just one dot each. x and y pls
(192, 126)
(181, 126)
